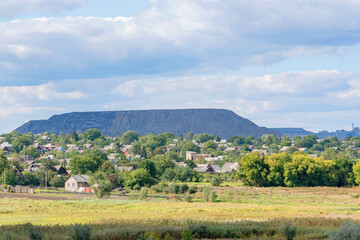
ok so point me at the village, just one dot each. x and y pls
(67, 161)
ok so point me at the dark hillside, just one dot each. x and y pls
(220, 122)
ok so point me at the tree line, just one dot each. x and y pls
(297, 170)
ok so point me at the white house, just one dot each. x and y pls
(77, 183)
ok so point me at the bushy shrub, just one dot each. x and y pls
(228, 196)
(186, 235)
(193, 189)
(184, 188)
(213, 196)
(168, 237)
(188, 198)
(208, 194)
(143, 194)
(34, 232)
(81, 232)
(198, 231)
(347, 231)
(216, 180)
(157, 188)
(289, 231)
(174, 188)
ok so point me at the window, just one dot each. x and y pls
(73, 184)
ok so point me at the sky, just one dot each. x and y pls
(278, 63)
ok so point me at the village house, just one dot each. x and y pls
(88, 145)
(125, 168)
(112, 157)
(180, 164)
(49, 157)
(214, 159)
(61, 170)
(112, 146)
(230, 167)
(17, 172)
(49, 147)
(28, 159)
(302, 149)
(33, 167)
(284, 148)
(203, 156)
(190, 155)
(77, 183)
(5, 146)
(207, 168)
(170, 147)
(261, 151)
(45, 138)
(229, 149)
(39, 147)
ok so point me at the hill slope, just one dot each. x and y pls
(220, 122)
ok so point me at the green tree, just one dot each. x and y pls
(149, 166)
(190, 146)
(330, 154)
(92, 134)
(101, 185)
(204, 137)
(210, 145)
(307, 171)
(4, 164)
(21, 141)
(89, 161)
(276, 164)
(306, 141)
(343, 172)
(74, 135)
(138, 178)
(189, 136)
(253, 170)
(356, 171)
(107, 167)
(30, 150)
(129, 137)
(57, 181)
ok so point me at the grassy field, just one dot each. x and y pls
(233, 204)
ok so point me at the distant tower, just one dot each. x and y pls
(353, 126)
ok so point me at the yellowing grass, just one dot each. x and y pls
(250, 203)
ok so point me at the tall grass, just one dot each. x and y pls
(307, 228)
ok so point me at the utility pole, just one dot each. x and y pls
(46, 173)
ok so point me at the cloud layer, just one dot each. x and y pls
(175, 36)
(182, 54)
(11, 8)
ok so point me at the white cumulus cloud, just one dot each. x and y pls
(177, 36)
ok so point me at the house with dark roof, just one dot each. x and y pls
(60, 170)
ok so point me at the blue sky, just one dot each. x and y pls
(278, 63)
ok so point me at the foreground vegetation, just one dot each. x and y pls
(238, 212)
(305, 228)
